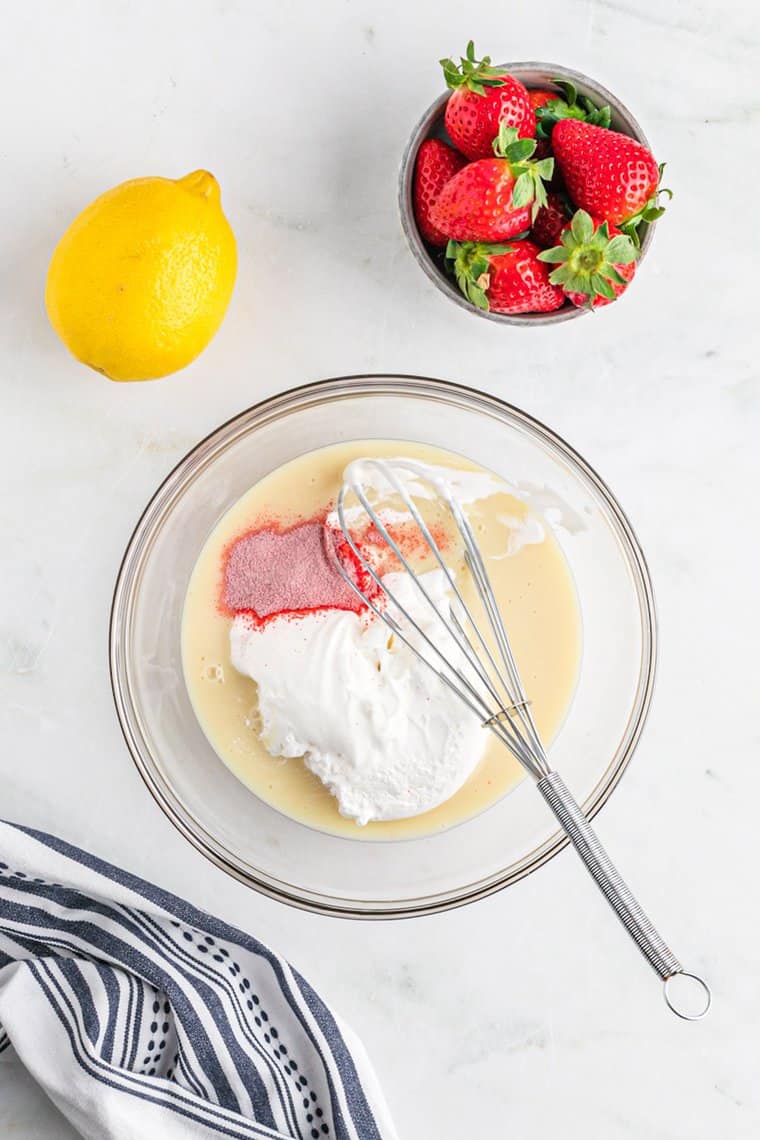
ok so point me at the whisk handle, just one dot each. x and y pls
(604, 873)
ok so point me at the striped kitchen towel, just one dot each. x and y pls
(142, 1017)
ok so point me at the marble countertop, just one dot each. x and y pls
(528, 1014)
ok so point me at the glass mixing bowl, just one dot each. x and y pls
(254, 842)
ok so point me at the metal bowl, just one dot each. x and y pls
(431, 126)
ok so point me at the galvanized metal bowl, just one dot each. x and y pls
(431, 126)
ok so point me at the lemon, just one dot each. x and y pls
(140, 282)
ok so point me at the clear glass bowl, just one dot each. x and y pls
(252, 841)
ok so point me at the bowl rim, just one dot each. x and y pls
(197, 459)
(414, 240)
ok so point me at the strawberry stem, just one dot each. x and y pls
(587, 259)
(529, 176)
(474, 74)
(649, 212)
(470, 262)
(570, 105)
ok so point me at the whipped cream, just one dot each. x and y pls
(527, 531)
(378, 727)
(422, 480)
(461, 487)
(382, 731)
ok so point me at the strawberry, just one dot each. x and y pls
(504, 278)
(543, 150)
(608, 174)
(595, 261)
(539, 98)
(436, 164)
(549, 223)
(566, 103)
(482, 98)
(494, 198)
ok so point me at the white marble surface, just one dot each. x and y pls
(527, 1015)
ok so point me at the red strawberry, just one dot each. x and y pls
(540, 98)
(436, 164)
(504, 278)
(550, 222)
(494, 198)
(608, 174)
(595, 261)
(482, 98)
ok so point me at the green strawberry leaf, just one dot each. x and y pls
(633, 234)
(546, 121)
(612, 274)
(505, 138)
(470, 262)
(568, 89)
(601, 285)
(580, 283)
(582, 227)
(450, 72)
(649, 212)
(556, 255)
(571, 106)
(561, 275)
(540, 198)
(520, 150)
(597, 116)
(523, 190)
(529, 175)
(620, 251)
(474, 74)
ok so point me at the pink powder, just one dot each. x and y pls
(272, 572)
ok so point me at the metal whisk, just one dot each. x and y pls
(489, 684)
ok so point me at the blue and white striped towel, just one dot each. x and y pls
(141, 1016)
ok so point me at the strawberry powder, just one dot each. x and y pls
(271, 572)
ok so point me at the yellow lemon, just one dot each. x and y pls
(140, 282)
